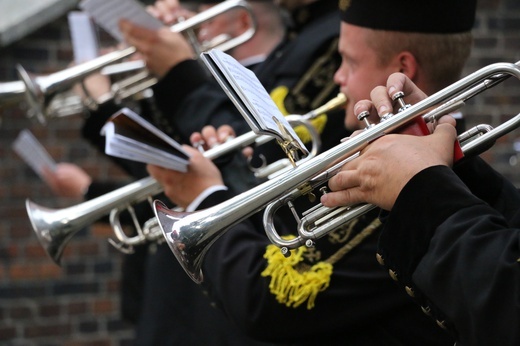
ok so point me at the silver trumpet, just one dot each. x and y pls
(190, 235)
(39, 91)
(55, 227)
(11, 92)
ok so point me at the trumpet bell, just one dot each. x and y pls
(188, 247)
(53, 231)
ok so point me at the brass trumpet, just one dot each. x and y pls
(39, 91)
(55, 227)
(190, 235)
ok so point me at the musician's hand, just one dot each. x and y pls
(94, 85)
(161, 49)
(67, 180)
(169, 11)
(210, 137)
(183, 188)
(384, 167)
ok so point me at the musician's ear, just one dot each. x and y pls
(408, 64)
(245, 20)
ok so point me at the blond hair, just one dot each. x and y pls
(440, 57)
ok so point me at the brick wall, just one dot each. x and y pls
(78, 303)
(42, 303)
(497, 39)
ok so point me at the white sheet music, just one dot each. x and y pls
(83, 35)
(107, 13)
(251, 88)
(131, 137)
(258, 101)
(33, 153)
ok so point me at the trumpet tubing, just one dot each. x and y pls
(11, 92)
(55, 227)
(190, 235)
(39, 91)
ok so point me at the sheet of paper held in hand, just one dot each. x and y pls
(108, 13)
(248, 94)
(131, 137)
(83, 35)
(33, 153)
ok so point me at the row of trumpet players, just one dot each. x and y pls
(326, 275)
(150, 324)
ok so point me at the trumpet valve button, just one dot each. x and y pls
(398, 97)
(363, 116)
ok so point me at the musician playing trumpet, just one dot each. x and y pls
(339, 290)
(148, 276)
(462, 259)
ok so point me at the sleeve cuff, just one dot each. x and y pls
(200, 198)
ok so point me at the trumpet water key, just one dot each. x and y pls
(190, 235)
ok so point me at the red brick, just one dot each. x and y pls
(104, 306)
(34, 271)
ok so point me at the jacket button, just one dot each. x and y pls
(409, 291)
(380, 259)
(392, 274)
(427, 310)
(441, 324)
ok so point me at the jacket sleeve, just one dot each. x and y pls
(190, 99)
(360, 294)
(459, 254)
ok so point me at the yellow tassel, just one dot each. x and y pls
(278, 95)
(290, 286)
(293, 282)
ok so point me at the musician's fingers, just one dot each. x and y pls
(447, 119)
(165, 13)
(400, 82)
(366, 106)
(342, 198)
(345, 179)
(135, 34)
(381, 101)
(152, 9)
(195, 138)
(192, 151)
(209, 135)
(447, 130)
(445, 135)
(155, 172)
(247, 152)
(224, 133)
(362, 106)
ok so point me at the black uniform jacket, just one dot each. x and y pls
(166, 306)
(456, 243)
(190, 98)
(362, 306)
